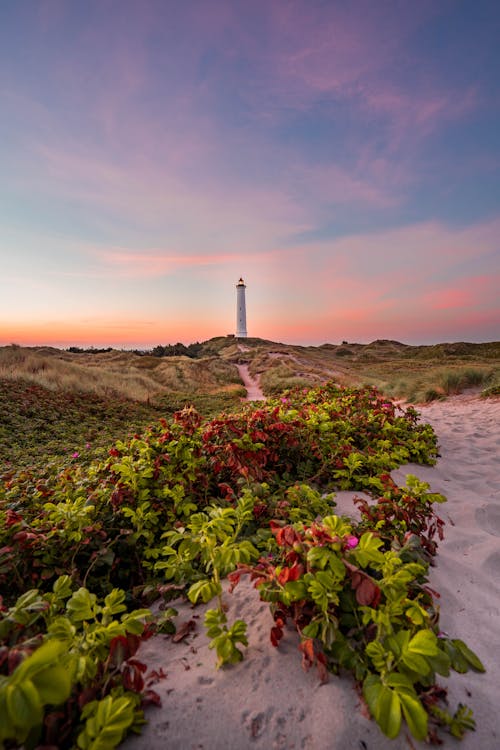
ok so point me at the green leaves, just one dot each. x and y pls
(323, 588)
(461, 657)
(423, 642)
(190, 502)
(388, 702)
(224, 639)
(204, 590)
(81, 606)
(23, 705)
(414, 652)
(368, 551)
(414, 714)
(42, 678)
(384, 705)
(294, 591)
(106, 723)
(75, 655)
(53, 684)
(458, 723)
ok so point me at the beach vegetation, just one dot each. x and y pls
(169, 510)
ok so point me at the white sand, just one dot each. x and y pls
(254, 391)
(268, 702)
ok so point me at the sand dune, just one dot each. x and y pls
(268, 702)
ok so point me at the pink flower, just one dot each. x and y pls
(352, 541)
(75, 454)
(285, 400)
(87, 445)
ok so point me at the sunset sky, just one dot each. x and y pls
(343, 157)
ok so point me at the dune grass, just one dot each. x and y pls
(56, 403)
(433, 381)
(114, 373)
(77, 373)
(416, 373)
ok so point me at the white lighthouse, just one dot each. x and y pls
(241, 311)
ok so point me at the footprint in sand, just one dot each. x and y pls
(492, 564)
(488, 518)
(256, 724)
(205, 680)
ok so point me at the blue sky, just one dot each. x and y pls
(344, 158)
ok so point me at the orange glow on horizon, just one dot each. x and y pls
(118, 334)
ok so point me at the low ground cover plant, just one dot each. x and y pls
(85, 546)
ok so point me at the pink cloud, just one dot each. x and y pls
(150, 263)
(447, 299)
(330, 184)
(469, 294)
(347, 53)
(421, 252)
(216, 211)
(413, 282)
(155, 263)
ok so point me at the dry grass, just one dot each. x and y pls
(418, 374)
(116, 373)
(61, 373)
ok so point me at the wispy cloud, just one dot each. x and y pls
(122, 263)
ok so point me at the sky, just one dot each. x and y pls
(342, 156)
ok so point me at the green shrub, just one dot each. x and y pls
(188, 500)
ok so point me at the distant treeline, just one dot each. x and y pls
(177, 350)
(169, 350)
(90, 350)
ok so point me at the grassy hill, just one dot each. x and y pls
(416, 373)
(57, 403)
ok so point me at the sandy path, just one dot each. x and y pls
(254, 391)
(268, 702)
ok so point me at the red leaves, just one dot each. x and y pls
(310, 656)
(184, 630)
(249, 444)
(402, 514)
(286, 536)
(13, 657)
(234, 579)
(276, 635)
(133, 672)
(290, 574)
(132, 675)
(151, 698)
(259, 510)
(307, 648)
(368, 594)
(277, 630)
(23, 536)
(321, 535)
(155, 676)
(226, 490)
(11, 517)
(189, 419)
(122, 648)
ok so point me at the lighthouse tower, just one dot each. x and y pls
(241, 311)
